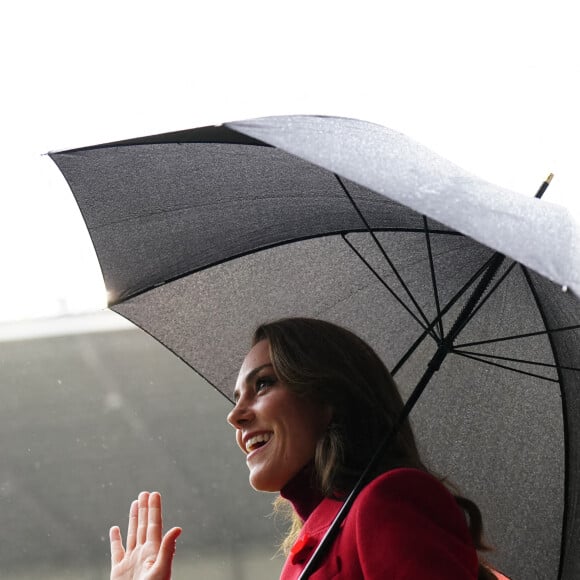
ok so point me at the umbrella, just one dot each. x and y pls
(202, 234)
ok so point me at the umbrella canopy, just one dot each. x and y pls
(203, 234)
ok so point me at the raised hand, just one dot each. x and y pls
(148, 555)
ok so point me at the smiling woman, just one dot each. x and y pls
(312, 401)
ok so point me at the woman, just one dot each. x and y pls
(312, 403)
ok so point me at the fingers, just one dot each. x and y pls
(145, 525)
(155, 519)
(117, 550)
(133, 522)
(145, 520)
(143, 517)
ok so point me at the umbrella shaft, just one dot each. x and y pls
(432, 367)
(468, 309)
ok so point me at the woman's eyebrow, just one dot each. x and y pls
(255, 371)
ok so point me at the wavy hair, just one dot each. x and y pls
(332, 366)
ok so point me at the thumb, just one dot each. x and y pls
(167, 549)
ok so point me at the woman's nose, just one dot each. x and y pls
(241, 414)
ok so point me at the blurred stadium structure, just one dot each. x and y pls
(92, 412)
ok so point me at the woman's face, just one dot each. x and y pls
(275, 428)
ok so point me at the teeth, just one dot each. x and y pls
(253, 441)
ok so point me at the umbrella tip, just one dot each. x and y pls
(544, 185)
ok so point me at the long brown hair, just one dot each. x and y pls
(332, 366)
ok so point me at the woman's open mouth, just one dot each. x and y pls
(257, 442)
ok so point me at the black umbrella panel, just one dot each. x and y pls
(202, 234)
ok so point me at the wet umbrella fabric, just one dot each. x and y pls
(202, 234)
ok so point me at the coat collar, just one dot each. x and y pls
(314, 530)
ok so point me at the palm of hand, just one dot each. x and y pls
(148, 555)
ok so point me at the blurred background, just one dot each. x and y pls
(93, 411)
(88, 419)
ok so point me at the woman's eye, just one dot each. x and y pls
(264, 382)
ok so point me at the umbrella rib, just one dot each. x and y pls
(487, 362)
(518, 336)
(381, 249)
(446, 309)
(516, 360)
(428, 330)
(133, 293)
(433, 278)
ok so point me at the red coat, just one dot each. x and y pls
(404, 525)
